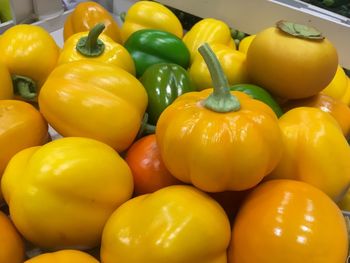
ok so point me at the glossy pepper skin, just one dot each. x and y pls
(339, 110)
(30, 53)
(164, 82)
(21, 126)
(179, 223)
(63, 256)
(92, 45)
(85, 16)
(316, 151)
(96, 100)
(152, 15)
(259, 93)
(217, 142)
(339, 87)
(61, 194)
(150, 46)
(291, 226)
(147, 167)
(207, 30)
(232, 61)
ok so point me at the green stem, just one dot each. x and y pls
(149, 129)
(221, 100)
(24, 87)
(122, 16)
(145, 128)
(91, 46)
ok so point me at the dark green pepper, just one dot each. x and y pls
(259, 93)
(164, 82)
(150, 46)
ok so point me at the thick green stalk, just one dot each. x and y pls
(24, 87)
(221, 100)
(91, 46)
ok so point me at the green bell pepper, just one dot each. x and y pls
(151, 46)
(5, 11)
(259, 93)
(164, 82)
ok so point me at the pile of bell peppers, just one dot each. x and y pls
(145, 142)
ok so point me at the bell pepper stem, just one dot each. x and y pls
(122, 16)
(149, 129)
(145, 128)
(91, 46)
(221, 100)
(24, 87)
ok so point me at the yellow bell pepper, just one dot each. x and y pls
(339, 110)
(208, 30)
(177, 224)
(30, 53)
(6, 89)
(63, 256)
(21, 126)
(61, 194)
(338, 88)
(86, 15)
(232, 61)
(97, 47)
(152, 15)
(316, 151)
(245, 43)
(227, 141)
(96, 100)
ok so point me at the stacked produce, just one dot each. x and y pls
(177, 146)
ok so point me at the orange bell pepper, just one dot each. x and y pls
(11, 243)
(85, 16)
(21, 126)
(297, 223)
(227, 141)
